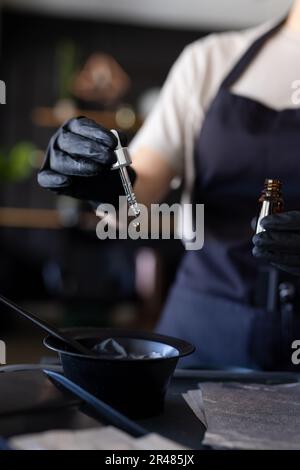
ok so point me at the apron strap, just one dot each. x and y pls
(249, 55)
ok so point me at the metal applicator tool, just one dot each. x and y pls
(124, 160)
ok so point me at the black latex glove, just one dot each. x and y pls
(78, 163)
(280, 243)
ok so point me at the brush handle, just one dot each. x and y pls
(103, 410)
(78, 347)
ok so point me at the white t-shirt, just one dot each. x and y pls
(176, 120)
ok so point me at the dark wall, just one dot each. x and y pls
(28, 64)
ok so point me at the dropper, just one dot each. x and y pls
(124, 160)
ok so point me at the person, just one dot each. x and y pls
(225, 120)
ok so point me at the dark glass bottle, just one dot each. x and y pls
(271, 201)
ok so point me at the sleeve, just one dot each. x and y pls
(163, 130)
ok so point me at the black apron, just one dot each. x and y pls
(241, 143)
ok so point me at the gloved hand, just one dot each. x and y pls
(78, 163)
(280, 243)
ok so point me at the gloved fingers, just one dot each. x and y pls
(62, 162)
(80, 147)
(85, 127)
(51, 180)
(282, 222)
(287, 259)
(89, 188)
(46, 163)
(271, 240)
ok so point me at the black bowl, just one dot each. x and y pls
(136, 387)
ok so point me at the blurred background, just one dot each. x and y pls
(105, 59)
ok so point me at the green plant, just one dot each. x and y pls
(17, 163)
